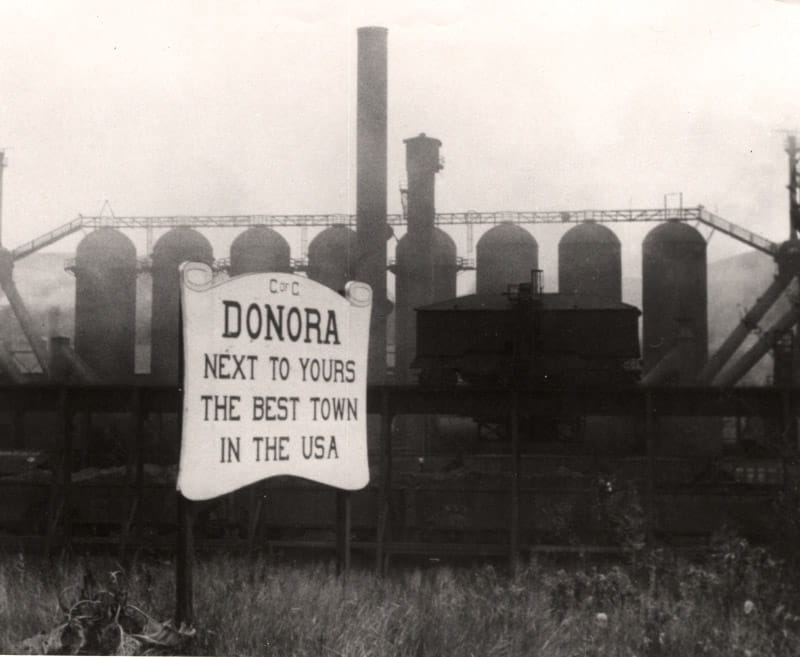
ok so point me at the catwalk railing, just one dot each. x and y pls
(696, 214)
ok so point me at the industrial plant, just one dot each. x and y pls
(501, 421)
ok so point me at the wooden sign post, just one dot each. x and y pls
(275, 369)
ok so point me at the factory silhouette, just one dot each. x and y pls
(470, 384)
(425, 267)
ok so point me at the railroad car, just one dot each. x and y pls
(526, 337)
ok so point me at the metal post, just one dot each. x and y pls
(134, 473)
(60, 495)
(650, 438)
(343, 519)
(184, 610)
(789, 422)
(66, 414)
(515, 477)
(130, 465)
(385, 491)
(140, 457)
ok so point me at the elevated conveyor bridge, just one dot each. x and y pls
(696, 214)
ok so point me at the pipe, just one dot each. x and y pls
(371, 158)
(742, 330)
(730, 376)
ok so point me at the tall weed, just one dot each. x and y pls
(739, 601)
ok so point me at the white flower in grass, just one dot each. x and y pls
(601, 619)
(749, 607)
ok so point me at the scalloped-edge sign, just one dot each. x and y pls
(275, 369)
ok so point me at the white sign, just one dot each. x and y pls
(275, 369)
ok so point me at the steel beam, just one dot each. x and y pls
(748, 323)
(732, 375)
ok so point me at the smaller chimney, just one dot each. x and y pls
(422, 163)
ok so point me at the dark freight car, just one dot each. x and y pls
(526, 338)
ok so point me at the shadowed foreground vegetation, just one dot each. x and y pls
(738, 601)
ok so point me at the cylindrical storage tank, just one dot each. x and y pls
(589, 262)
(172, 248)
(260, 249)
(505, 254)
(413, 289)
(105, 304)
(332, 257)
(445, 267)
(674, 299)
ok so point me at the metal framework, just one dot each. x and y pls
(788, 260)
(696, 214)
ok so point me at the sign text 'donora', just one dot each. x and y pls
(275, 370)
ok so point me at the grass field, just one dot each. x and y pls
(737, 601)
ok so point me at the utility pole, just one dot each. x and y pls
(794, 206)
(790, 428)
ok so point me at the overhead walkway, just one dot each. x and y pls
(696, 214)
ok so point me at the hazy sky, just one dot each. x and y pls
(223, 107)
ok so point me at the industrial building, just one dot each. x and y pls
(674, 347)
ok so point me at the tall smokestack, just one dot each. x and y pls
(371, 227)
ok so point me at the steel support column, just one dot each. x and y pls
(515, 481)
(385, 492)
